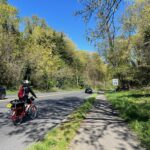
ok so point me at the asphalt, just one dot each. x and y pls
(104, 130)
(53, 108)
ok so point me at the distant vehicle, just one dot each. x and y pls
(2, 93)
(88, 90)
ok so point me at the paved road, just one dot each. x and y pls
(39, 95)
(104, 130)
(53, 108)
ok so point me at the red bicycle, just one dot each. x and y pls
(19, 110)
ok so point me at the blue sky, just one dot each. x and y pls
(59, 15)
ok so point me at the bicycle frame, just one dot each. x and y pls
(17, 113)
(20, 112)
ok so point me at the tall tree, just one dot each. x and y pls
(10, 40)
(3, 2)
(103, 11)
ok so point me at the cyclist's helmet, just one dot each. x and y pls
(26, 82)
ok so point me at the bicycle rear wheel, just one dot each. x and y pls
(16, 119)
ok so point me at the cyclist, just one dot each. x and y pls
(23, 93)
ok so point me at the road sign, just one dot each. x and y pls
(115, 82)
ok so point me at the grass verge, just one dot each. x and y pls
(134, 107)
(11, 92)
(60, 137)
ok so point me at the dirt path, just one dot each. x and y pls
(104, 130)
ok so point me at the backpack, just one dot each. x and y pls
(21, 92)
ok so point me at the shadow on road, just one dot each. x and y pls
(50, 113)
(103, 130)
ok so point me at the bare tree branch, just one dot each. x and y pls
(104, 12)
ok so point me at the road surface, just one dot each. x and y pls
(53, 108)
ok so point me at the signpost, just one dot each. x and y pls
(115, 82)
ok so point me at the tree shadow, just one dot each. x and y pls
(50, 113)
(103, 129)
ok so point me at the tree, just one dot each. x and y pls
(3, 2)
(9, 20)
(33, 22)
(39, 53)
(130, 59)
(104, 12)
(10, 40)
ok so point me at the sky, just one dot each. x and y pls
(59, 15)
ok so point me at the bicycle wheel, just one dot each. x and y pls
(16, 119)
(33, 111)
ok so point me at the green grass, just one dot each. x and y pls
(10, 92)
(60, 137)
(134, 107)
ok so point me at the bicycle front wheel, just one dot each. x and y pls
(33, 112)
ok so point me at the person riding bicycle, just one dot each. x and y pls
(23, 93)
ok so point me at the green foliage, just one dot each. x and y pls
(129, 61)
(10, 66)
(3, 1)
(8, 19)
(127, 53)
(134, 107)
(46, 57)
